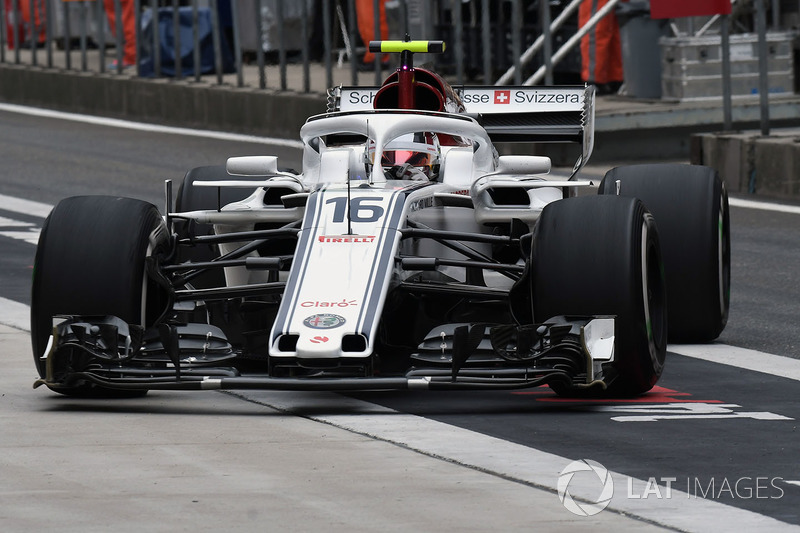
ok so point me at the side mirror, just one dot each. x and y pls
(255, 165)
(522, 165)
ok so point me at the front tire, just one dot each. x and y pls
(91, 261)
(600, 255)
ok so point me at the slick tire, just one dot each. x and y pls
(690, 205)
(91, 261)
(600, 255)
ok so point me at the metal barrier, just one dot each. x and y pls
(299, 45)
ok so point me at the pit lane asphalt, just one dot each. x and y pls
(212, 462)
(728, 448)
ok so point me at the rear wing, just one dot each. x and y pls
(510, 114)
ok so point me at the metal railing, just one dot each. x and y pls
(299, 45)
(545, 72)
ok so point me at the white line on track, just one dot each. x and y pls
(766, 363)
(15, 314)
(766, 206)
(141, 126)
(26, 207)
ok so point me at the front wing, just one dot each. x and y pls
(566, 352)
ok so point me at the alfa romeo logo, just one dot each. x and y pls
(324, 321)
(598, 475)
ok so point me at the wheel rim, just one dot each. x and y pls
(653, 296)
(723, 252)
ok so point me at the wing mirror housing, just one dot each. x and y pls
(524, 165)
(253, 165)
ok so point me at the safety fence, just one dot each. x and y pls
(311, 45)
(299, 45)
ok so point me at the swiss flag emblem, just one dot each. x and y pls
(502, 97)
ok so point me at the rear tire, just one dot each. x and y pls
(690, 205)
(91, 261)
(600, 256)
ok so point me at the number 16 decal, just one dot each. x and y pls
(361, 209)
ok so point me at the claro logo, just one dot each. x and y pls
(321, 303)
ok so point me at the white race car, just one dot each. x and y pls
(406, 254)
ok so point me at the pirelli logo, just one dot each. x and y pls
(346, 238)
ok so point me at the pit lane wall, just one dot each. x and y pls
(161, 101)
(751, 163)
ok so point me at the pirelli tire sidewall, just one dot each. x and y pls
(690, 205)
(90, 260)
(600, 255)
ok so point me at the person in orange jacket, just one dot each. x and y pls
(128, 29)
(365, 17)
(601, 49)
(37, 22)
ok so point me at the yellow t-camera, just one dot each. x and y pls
(417, 47)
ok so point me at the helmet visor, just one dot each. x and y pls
(398, 157)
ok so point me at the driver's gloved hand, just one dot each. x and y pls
(406, 172)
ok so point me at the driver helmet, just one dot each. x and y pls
(410, 156)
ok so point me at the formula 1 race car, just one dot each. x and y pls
(406, 254)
